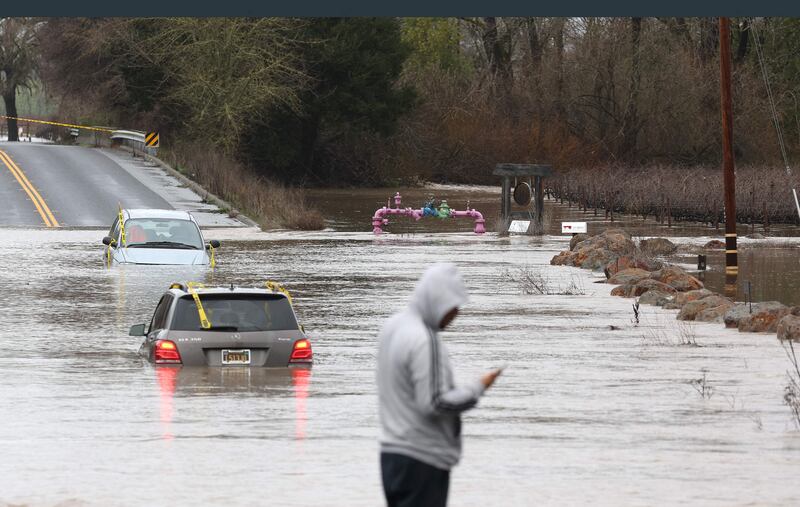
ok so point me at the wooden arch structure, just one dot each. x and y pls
(514, 175)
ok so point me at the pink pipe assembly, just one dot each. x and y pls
(380, 219)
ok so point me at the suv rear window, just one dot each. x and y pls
(235, 312)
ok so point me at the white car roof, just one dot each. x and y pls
(159, 213)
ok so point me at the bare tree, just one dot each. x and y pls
(630, 120)
(18, 64)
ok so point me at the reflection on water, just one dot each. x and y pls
(765, 274)
(167, 380)
(232, 381)
(301, 379)
(584, 412)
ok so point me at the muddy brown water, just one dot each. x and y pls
(583, 413)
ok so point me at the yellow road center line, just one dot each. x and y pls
(27, 186)
(22, 184)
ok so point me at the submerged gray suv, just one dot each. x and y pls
(197, 326)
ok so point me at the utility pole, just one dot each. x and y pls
(731, 261)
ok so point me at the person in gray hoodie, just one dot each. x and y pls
(420, 404)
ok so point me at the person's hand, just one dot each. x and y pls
(488, 379)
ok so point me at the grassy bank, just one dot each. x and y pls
(273, 205)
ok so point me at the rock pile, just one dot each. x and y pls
(637, 274)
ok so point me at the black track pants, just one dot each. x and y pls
(411, 483)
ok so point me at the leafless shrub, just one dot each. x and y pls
(738, 406)
(694, 196)
(791, 393)
(687, 335)
(702, 386)
(670, 333)
(533, 282)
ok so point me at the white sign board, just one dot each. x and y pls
(573, 227)
(520, 226)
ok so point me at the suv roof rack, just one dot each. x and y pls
(273, 287)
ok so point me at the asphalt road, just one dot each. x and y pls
(46, 185)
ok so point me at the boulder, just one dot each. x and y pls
(657, 246)
(621, 290)
(635, 261)
(655, 297)
(663, 302)
(634, 290)
(742, 310)
(692, 295)
(649, 284)
(715, 244)
(789, 328)
(690, 310)
(765, 321)
(678, 278)
(596, 252)
(630, 276)
(561, 259)
(681, 298)
(714, 314)
(592, 258)
(686, 284)
(618, 241)
(577, 239)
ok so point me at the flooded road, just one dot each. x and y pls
(583, 413)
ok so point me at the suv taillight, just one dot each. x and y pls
(301, 353)
(166, 352)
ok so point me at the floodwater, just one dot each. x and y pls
(769, 269)
(582, 414)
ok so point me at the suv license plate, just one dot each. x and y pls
(240, 356)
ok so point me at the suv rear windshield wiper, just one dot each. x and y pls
(223, 328)
(168, 244)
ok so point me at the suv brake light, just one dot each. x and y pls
(166, 352)
(301, 353)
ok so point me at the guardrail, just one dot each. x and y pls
(134, 139)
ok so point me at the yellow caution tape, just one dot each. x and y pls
(108, 255)
(57, 124)
(200, 311)
(122, 227)
(213, 262)
(275, 286)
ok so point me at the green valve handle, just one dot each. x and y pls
(444, 210)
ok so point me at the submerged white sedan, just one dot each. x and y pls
(157, 236)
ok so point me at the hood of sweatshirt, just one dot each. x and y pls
(438, 291)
